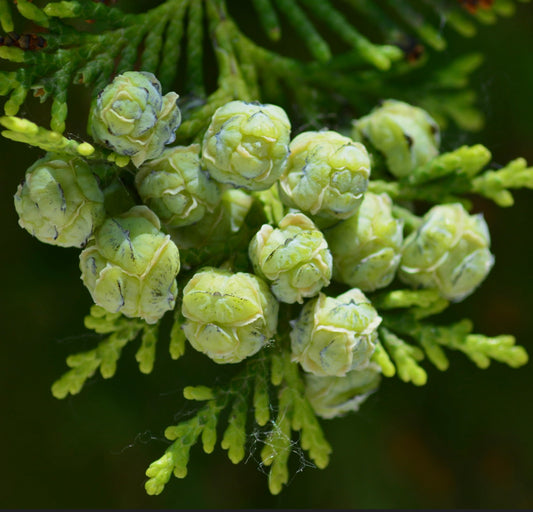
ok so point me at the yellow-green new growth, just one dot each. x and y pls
(366, 247)
(449, 251)
(294, 258)
(120, 331)
(133, 118)
(22, 130)
(59, 202)
(131, 266)
(405, 135)
(176, 188)
(229, 316)
(335, 335)
(326, 175)
(406, 358)
(294, 413)
(335, 396)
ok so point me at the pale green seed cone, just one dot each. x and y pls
(366, 247)
(335, 335)
(176, 188)
(219, 236)
(326, 175)
(60, 201)
(131, 266)
(229, 316)
(331, 397)
(246, 144)
(294, 258)
(405, 135)
(449, 251)
(217, 226)
(133, 118)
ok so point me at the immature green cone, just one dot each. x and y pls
(449, 251)
(132, 118)
(176, 188)
(227, 218)
(246, 144)
(229, 316)
(59, 202)
(294, 258)
(406, 136)
(335, 396)
(131, 266)
(335, 335)
(327, 175)
(366, 247)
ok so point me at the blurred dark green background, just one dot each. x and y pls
(464, 440)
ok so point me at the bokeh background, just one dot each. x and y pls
(463, 441)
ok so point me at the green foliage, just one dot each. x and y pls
(496, 184)
(22, 130)
(430, 339)
(451, 176)
(294, 413)
(177, 336)
(145, 356)
(120, 331)
(246, 70)
(405, 357)
(204, 424)
(266, 398)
